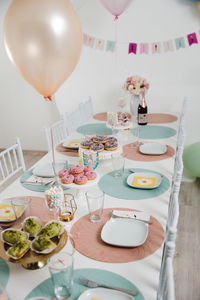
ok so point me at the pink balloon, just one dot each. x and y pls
(116, 7)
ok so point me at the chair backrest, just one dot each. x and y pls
(166, 290)
(89, 107)
(59, 133)
(11, 162)
(78, 117)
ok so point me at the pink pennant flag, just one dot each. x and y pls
(156, 48)
(192, 39)
(99, 44)
(168, 46)
(144, 48)
(132, 48)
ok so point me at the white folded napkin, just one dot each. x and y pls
(40, 180)
(131, 214)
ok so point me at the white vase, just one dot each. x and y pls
(134, 102)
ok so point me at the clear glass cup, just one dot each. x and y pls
(95, 201)
(61, 270)
(18, 203)
(118, 162)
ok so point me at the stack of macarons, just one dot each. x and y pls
(100, 142)
(77, 174)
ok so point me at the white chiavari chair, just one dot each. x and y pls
(89, 108)
(11, 162)
(59, 133)
(166, 290)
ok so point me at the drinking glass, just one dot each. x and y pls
(118, 162)
(61, 270)
(95, 202)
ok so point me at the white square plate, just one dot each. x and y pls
(46, 170)
(144, 180)
(124, 232)
(72, 143)
(153, 148)
(7, 210)
(104, 294)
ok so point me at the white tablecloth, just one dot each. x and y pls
(143, 273)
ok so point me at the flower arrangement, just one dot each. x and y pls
(135, 84)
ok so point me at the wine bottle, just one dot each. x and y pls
(142, 110)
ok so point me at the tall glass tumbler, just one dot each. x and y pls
(95, 202)
(61, 270)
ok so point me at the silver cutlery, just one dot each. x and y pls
(93, 284)
(126, 217)
(36, 182)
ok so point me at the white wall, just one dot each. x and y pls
(171, 75)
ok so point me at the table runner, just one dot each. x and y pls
(88, 240)
(45, 289)
(118, 188)
(155, 118)
(134, 154)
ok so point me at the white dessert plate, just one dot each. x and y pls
(104, 294)
(72, 143)
(124, 232)
(144, 180)
(46, 170)
(153, 149)
(120, 127)
(88, 184)
(6, 210)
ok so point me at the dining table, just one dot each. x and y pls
(135, 268)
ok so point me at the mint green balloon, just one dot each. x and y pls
(191, 159)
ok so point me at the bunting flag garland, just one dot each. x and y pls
(144, 48)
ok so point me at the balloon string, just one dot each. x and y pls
(53, 153)
(116, 41)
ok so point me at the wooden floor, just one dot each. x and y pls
(186, 262)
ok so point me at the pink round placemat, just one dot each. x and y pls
(103, 116)
(87, 238)
(37, 208)
(134, 154)
(100, 116)
(157, 118)
(64, 151)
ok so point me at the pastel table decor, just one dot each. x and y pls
(45, 288)
(99, 250)
(94, 129)
(119, 188)
(135, 154)
(155, 132)
(4, 272)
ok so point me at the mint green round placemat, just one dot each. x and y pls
(45, 288)
(94, 129)
(4, 272)
(31, 187)
(154, 132)
(118, 188)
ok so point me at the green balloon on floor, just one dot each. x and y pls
(191, 159)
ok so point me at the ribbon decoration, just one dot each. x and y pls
(99, 44)
(168, 46)
(192, 39)
(180, 43)
(155, 48)
(132, 48)
(110, 46)
(144, 48)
